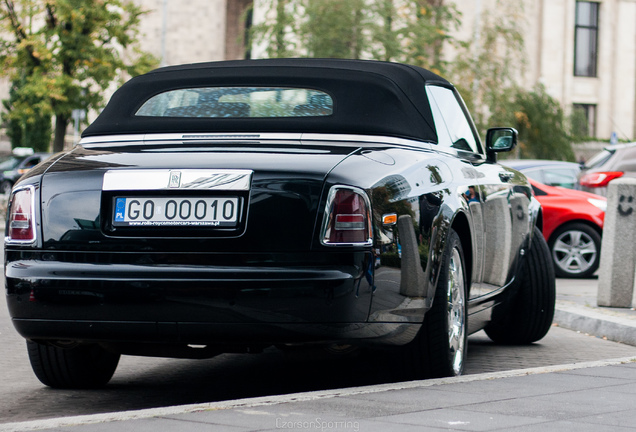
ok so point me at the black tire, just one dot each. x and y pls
(531, 311)
(77, 367)
(576, 250)
(439, 349)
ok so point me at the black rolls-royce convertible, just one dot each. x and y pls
(234, 206)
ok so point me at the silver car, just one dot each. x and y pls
(611, 163)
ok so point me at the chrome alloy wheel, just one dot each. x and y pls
(574, 251)
(456, 312)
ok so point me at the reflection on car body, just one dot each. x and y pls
(276, 202)
(17, 164)
(548, 172)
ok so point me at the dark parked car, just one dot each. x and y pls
(611, 163)
(232, 206)
(573, 226)
(548, 172)
(16, 165)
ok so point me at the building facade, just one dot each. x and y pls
(583, 52)
(191, 31)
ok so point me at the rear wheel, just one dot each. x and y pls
(439, 350)
(532, 308)
(576, 250)
(75, 366)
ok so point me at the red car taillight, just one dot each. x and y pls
(21, 223)
(599, 179)
(347, 217)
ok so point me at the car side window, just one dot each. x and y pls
(627, 161)
(453, 128)
(560, 177)
(32, 162)
(535, 174)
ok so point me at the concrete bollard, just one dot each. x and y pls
(618, 250)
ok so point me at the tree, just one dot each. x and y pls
(276, 32)
(334, 29)
(487, 71)
(312, 28)
(542, 126)
(487, 68)
(27, 124)
(579, 126)
(69, 52)
(428, 29)
(411, 31)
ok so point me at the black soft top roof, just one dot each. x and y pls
(370, 98)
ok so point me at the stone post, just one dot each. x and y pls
(618, 250)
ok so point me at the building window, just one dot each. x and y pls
(587, 125)
(586, 39)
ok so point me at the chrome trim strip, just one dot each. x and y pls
(115, 140)
(112, 138)
(193, 137)
(366, 138)
(165, 179)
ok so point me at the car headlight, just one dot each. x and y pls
(598, 203)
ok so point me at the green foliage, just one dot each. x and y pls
(277, 32)
(27, 124)
(69, 52)
(426, 32)
(486, 69)
(541, 124)
(579, 127)
(409, 31)
(334, 29)
(314, 28)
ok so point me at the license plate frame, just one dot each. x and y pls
(154, 211)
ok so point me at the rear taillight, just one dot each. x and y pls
(347, 217)
(21, 220)
(599, 179)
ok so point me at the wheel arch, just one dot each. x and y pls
(539, 221)
(575, 221)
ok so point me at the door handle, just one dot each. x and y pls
(506, 176)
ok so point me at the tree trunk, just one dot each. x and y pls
(61, 123)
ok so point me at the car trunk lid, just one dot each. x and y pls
(275, 188)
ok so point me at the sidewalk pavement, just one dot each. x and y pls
(592, 396)
(576, 309)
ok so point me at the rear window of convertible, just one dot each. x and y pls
(231, 102)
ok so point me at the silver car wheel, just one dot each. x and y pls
(456, 313)
(574, 251)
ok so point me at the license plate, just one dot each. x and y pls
(171, 211)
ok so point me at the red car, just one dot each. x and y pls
(572, 226)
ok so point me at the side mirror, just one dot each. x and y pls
(500, 140)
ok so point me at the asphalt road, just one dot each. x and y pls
(151, 382)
